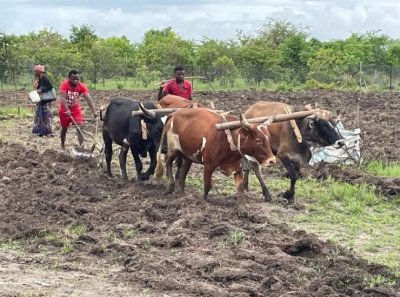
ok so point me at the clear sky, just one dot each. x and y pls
(194, 19)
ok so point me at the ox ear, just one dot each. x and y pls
(146, 112)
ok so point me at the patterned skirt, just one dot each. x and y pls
(42, 122)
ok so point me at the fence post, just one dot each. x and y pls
(359, 99)
(192, 76)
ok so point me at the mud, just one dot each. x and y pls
(145, 243)
(163, 244)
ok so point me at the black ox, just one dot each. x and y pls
(130, 132)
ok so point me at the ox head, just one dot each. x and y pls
(255, 141)
(320, 128)
(154, 122)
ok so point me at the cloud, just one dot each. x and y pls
(195, 19)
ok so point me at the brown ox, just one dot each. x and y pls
(290, 140)
(172, 101)
(192, 137)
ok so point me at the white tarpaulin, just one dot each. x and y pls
(349, 153)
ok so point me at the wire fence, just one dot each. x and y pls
(124, 76)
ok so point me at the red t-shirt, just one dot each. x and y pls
(173, 89)
(73, 93)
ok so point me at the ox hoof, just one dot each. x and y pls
(144, 177)
(170, 190)
(288, 195)
(267, 197)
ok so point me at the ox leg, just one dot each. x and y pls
(207, 176)
(178, 162)
(152, 166)
(246, 170)
(138, 166)
(266, 193)
(108, 151)
(122, 161)
(183, 171)
(168, 164)
(238, 176)
(293, 176)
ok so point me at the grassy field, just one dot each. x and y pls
(24, 83)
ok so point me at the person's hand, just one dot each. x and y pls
(163, 83)
(67, 113)
(94, 114)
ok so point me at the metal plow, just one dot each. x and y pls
(80, 150)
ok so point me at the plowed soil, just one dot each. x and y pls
(136, 241)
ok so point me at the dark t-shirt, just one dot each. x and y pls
(44, 84)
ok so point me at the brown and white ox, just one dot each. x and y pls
(192, 137)
(290, 140)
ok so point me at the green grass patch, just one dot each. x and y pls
(7, 245)
(352, 215)
(236, 237)
(64, 239)
(380, 168)
(12, 111)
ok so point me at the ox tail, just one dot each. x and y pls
(102, 109)
(159, 171)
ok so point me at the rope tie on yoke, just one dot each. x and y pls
(145, 132)
(229, 137)
(294, 126)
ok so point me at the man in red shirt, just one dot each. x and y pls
(71, 89)
(178, 86)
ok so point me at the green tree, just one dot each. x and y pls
(208, 52)
(226, 70)
(394, 53)
(327, 66)
(145, 76)
(164, 47)
(83, 36)
(276, 31)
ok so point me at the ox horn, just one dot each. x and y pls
(146, 112)
(269, 121)
(243, 121)
(312, 117)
